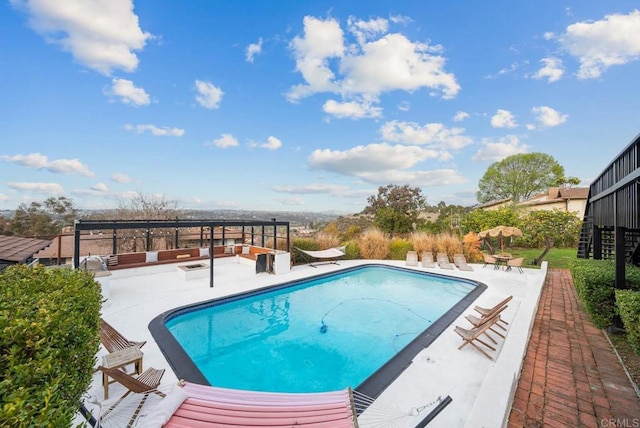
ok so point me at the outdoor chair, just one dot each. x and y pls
(443, 261)
(517, 263)
(461, 262)
(479, 322)
(471, 336)
(412, 258)
(427, 260)
(145, 384)
(489, 260)
(491, 312)
(113, 341)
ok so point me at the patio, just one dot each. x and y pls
(480, 388)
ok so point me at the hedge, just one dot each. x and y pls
(594, 281)
(628, 302)
(49, 336)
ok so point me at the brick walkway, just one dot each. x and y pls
(571, 376)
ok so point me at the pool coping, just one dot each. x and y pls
(185, 369)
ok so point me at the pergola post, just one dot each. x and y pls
(620, 261)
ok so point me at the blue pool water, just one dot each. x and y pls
(317, 335)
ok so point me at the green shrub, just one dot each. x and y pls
(352, 252)
(398, 248)
(594, 282)
(49, 322)
(595, 285)
(628, 303)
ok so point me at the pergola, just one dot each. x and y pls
(266, 229)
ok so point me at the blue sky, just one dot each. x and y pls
(305, 106)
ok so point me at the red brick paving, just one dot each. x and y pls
(570, 375)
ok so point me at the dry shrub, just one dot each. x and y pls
(423, 242)
(448, 244)
(327, 240)
(373, 244)
(471, 243)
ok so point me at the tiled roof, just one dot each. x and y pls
(65, 244)
(574, 192)
(492, 203)
(17, 249)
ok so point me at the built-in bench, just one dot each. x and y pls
(151, 258)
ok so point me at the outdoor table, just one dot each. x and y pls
(501, 260)
(119, 359)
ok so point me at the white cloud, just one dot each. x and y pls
(128, 92)
(272, 144)
(600, 44)
(460, 116)
(100, 187)
(294, 201)
(373, 64)
(58, 166)
(548, 117)
(400, 19)
(433, 178)
(322, 40)
(226, 140)
(119, 177)
(371, 158)
(253, 49)
(552, 70)
(367, 30)
(313, 189)
(46, 188)
(503, 119)
(209, 96)
(100, 34)
(433, 135)
(495, 150)
(155, 131)
(395, 63)
(3, 197)
(404, 106)
(351, 109)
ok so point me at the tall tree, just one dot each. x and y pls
(43, 219)
(397, 206)
(145, 207)
(520, 176)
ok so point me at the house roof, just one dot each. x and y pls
(18, 250)
(493, 203)
(65, 244)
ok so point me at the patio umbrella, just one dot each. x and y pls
(500, 232)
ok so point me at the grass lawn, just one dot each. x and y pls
(561, 258)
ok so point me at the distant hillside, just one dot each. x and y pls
(307, 219)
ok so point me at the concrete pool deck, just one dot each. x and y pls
(480, 388)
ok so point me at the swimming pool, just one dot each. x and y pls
(355, 327)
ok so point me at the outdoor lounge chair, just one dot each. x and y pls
(443, 261)
(490, 312)
(479, 321)
(427, 260)
(144, 384)
(471, 336)
(517, 263)
(412, 258)
(113, 341)
(461, 262)
(195, 405)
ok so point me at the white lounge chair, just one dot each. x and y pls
(412, 258)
